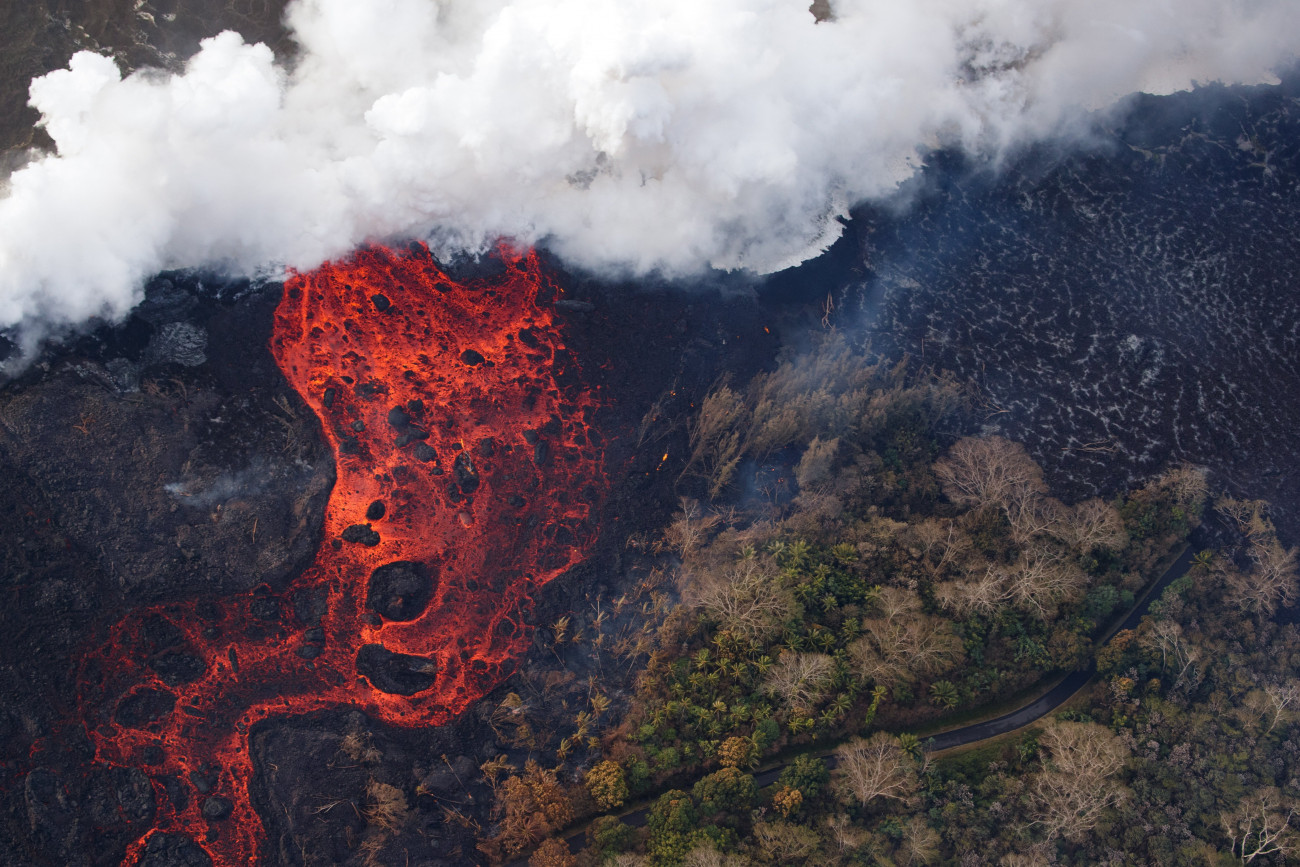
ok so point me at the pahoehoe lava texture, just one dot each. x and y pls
(1123, 309)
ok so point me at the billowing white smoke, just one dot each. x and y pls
(667, 135)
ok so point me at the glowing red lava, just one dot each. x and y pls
(467, 472)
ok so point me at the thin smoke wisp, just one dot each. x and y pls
(633, 135)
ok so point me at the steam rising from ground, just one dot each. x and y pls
(640, 135)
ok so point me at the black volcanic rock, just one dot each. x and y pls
(205, 778)
(310, 604)
(144, 706)
(396, 673)
(174, 850)
(400, 590)
(162, 488)
(264, 607)
(178, 668)
(217, 807)
(1109, 329)
(50, 813)
(361, 534)
(465, 473)
(134, 794)
(451, 777)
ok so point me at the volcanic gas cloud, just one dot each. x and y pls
(467, 472)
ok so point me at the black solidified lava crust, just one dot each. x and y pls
(396, 673)
(1122, 309)
(400, 590)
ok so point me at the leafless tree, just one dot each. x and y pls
(1275, 702)
(800, 679)
(1038, 582)
(984, 471)
(746, 598)
(903, 642)
(706, 855)
(690, 527)
(1261, 825)
(1270, 581)
(941, 545)
(1031, 514)
(1176, 652)
(875, 767)
(920, 843)
(1093, 524)
(1076, 786)
(628, 859)
(1272, 578)
(984, 593)
(1042, 579)
(780, 842)
(846, 835)
(1248, 515)
(717, 438)
(1187, 485)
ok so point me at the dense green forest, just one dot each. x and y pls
(854, 570)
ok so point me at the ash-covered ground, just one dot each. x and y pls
(1121, 309)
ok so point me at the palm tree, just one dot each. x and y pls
(910, 744)
(943, 693)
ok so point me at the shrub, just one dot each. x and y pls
(807, 774)
(787, 801)
(737, 752)
(729, 790)
(385, 806)
(607, 784)
(608, 836)
(553, 852)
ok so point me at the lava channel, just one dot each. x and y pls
(468, 472)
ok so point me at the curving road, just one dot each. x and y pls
(1067, 688)
(975, 732)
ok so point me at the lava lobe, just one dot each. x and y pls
(449, 512)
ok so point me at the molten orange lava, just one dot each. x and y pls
(465, 455)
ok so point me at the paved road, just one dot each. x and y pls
(1063, 691)
(976, 732)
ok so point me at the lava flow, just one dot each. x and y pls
(467, 471)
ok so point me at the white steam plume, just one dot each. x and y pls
(667, 135)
